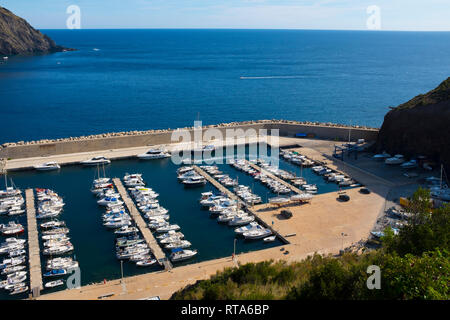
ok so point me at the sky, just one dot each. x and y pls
(398, 15)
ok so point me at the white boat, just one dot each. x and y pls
(249, 227)
(257, 234)
(53, 284)
(167, 228)
(19, 290)
(241, 220)
(126, 230)
(95, 161)
(52, 224)
(194, 181)
(47, 166)
(279, 200)
(381, 156)
(270, 239)
(146, 262)
(301, 197)
(154, 154)
(181, 254)
(178, 244)
(397, 159)
(409, 164)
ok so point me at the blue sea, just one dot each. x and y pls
(152, 79)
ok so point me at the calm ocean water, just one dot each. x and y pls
(145, 79)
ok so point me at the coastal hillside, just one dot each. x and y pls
(419, 126)
(18, 37)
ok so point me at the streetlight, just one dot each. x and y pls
(234, 249)
(343, 235)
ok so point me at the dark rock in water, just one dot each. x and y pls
(18, 37)
(420, 126)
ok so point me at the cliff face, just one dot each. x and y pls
(18, 37)
(420, 126)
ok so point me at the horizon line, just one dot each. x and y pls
(230, 28)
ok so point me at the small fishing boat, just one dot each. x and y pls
(270, 239)
(47, 166)
(146, 262)
(53, 284)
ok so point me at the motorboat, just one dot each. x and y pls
(154, 154)
(126, 230)
(184, 169)
(182, 254)
(146, 262)
(178, 244)
(57, 250)
(52, 224)
(194, 181)
(55, 273)
(279, 200)
(257, 234)
(53, 284)
(252, 226)
(409, 164)
(95, 161)
(9, 270)
(241, 220)
(301, 197)
(270, 239)
(381, 156)
(170, 234)
(171, 227)
(19, 290)
(47, 166)
(11, 228)
(109, 201)
(397, 159)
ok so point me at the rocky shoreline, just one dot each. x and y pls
(138, 133)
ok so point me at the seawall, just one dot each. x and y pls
(119, 140)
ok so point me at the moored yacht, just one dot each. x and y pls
(47, 166)
(180, 254)
(95, 161)
(154, 154)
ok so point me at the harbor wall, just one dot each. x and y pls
(156, 137)
(325, 132)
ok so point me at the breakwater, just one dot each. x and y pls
(118, 140)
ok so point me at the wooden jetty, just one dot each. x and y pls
(33, 246)
(142, 226)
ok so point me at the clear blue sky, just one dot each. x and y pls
(410, 15)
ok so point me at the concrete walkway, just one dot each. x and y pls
(33, 245)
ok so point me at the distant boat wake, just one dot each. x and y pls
(271, 77)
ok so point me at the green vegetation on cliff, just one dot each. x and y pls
(414, 265)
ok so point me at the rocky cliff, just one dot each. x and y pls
(420, 126)
(18, 37)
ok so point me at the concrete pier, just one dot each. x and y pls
(33, 246)
(272, 176)
(142, 226)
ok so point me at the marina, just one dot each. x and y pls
(235, 204)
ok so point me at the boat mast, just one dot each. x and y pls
(442, 168)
